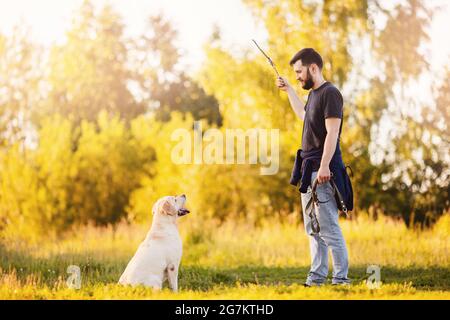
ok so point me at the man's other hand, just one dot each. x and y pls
(323, 175)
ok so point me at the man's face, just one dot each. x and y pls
(303, 75)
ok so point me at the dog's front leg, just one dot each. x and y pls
(172, 272)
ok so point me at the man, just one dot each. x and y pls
(322, 126)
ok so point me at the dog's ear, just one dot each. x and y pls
(167, 208)
(155, 208)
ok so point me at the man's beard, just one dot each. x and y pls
(309, 83)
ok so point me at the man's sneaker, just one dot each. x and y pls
(312, 284)
(344, 284)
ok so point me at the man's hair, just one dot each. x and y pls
(308, 56)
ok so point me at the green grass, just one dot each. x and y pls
(234, 261)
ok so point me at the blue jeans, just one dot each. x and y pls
(330, 236)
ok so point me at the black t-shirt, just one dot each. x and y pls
(323, 102)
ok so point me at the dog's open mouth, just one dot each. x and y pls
(182, 212)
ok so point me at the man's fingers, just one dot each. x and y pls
(323, 179)
(280, 82)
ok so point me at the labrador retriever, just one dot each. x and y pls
(158, 256)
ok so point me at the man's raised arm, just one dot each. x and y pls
(296, 104)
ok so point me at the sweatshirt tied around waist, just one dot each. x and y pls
(308, 161)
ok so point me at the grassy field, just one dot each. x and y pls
(234, 261)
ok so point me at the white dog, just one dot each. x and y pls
(159, 255)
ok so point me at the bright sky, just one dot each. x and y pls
(193, 19)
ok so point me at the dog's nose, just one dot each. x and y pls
(183, 195)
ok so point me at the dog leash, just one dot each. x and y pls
(315, 203)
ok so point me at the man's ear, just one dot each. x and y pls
(167, 208)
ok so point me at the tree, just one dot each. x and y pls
(163, 87)
(20, 79)
(88, 73)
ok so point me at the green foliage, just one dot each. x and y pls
(88, 72)
(56, 186)
(166, 178)
(163, 85)
(110, 165)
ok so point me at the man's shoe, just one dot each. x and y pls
(344, 284)
(312, 284)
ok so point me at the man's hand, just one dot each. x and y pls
(323, 175)
(282, 83)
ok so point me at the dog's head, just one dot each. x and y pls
(171, 206)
